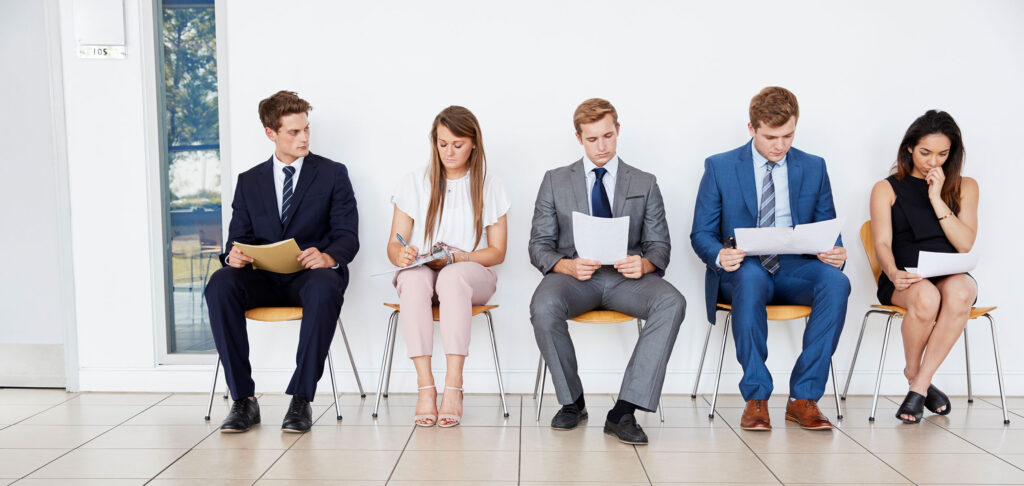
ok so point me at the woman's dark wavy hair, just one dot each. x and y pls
(935, 122)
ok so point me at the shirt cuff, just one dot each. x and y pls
(718, 262)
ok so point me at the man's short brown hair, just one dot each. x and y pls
(280, 104)
(773, 107)
(593, 110)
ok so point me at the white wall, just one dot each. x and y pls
(681, 76)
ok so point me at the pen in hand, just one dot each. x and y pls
(408, 253)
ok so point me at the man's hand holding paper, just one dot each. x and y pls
(805, 239)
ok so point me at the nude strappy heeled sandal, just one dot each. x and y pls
(455, 419)
(427, 416)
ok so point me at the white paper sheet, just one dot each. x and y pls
(601, 239)
(931, 264)
(803, 239)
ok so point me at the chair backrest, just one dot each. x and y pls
(868, 240)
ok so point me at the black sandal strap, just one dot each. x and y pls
(912, 405)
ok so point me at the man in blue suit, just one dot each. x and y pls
(294, 194)
(768, 183)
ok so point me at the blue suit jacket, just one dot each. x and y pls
(324, 215)
(727, 199)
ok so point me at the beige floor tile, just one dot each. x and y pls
(393, 399)
(695, 466)
(693, 439)
(355, 438)
(109, 463)
(1015, 459)
(683, 401)
(579, 439)
(478, 482)
(924, 438)
(34, 396)
(85, 415)
(263, 436)
(457, 465)
(717, 484)
(180, 415)
(196, 399)
(954, 468)
(361, 415)
(90, 398)
(15, 463)
(83, 482)
(312, 464)
(603, 483)
(200, 482)
(464, 438)
(491, 416)
(12, 413)
(831, 468)
(48, 436)
(1015, 403)
(319, 482)
(674, 417)
(582, 466)
(151, 437)
(858, 418)
(222, 464)
(996, 441)
(785, 440)
(970, 418)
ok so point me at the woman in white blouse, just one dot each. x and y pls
(455, 202)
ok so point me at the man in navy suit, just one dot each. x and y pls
(768, 183)
(294, 194)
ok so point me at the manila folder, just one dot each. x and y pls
(280, 257)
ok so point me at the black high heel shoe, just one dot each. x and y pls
(913, 405)
(935, 400)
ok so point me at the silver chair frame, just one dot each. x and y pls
(330, 367)
(721, 359)
(384, 382)
(542, 375)
(967, 355)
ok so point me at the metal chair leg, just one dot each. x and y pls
(334, 384)
(967, 356)
(391, 356)
(543, 381)
(540, 369)
(999, 367)
(856, 352)
(351, 360)
(881, 365)
(700, 367)
(721, 359)
(213, 388)
(497, 366)
(835, 389)
(384, 361)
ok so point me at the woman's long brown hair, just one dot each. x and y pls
(462, 123)
(935, 122)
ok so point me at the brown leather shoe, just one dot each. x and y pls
(755, 416)
(806, 413)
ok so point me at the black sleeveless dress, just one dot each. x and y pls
(915, 228)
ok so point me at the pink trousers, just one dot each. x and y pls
(457, 287)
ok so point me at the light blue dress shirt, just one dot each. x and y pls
(780, 176)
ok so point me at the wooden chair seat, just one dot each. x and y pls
(780, 312)
(477, 309)
(602, 317)
(976, 312)
(274, 314)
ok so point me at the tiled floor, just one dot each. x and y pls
(53, 437)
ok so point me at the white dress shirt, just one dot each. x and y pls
(608, 180)
(279, 178)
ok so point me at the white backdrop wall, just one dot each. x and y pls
(681, 76)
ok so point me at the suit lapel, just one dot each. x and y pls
(579, 187)
(745, 174)
(306, 178)
(268, 194)
(795, 170)
(621, 188)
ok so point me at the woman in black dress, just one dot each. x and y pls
(925, 205)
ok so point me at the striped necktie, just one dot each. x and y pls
(286, 193)
(766, 216)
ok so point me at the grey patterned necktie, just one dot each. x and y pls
(286, 193)
(766, 216)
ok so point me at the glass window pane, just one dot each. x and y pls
(193, 177)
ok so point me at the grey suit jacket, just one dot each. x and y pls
(564, 190)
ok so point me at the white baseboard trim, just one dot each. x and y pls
(196, 378)
(32, 365)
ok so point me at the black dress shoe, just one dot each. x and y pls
(244, 414)
(627, 430)
(568, 417)
(299, 417)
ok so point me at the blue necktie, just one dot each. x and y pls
(766, 216)
(600, 206)
(286, 193)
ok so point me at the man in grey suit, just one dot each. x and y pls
(573, 285)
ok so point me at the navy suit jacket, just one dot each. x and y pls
(727, 199)
(324, 214)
